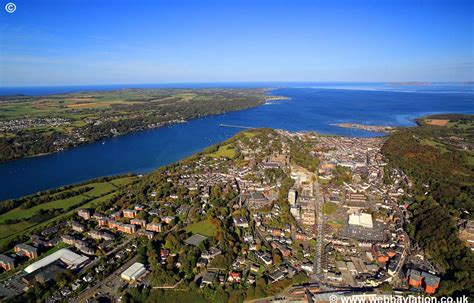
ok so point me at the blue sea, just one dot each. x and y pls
(311, 107)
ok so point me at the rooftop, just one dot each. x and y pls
(70, 258)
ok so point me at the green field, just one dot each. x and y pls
(435, 144)
(224, 151)
(329, 208)
(102, 191)
(204, 228)
(249, 134)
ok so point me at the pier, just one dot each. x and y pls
(235, 126)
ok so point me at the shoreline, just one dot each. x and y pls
(268, 99)
(369, 128)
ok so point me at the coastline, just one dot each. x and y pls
(266, 100)
(370, 128)
(142, 151)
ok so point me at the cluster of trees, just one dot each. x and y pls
(442, 193)
(147, 295)
(300, 154)
(436, 231)
(341, 174)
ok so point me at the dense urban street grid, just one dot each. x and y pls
(266, 214)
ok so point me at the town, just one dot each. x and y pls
(370, 128)
(266, 214)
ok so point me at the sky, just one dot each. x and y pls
(81, 42)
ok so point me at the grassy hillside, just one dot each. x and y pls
(22, 219)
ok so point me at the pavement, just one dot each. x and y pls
(89, 292)
(319, 230)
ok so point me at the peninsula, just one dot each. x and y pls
(31, 126)
(371, 128)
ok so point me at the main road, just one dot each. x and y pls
(318, 200)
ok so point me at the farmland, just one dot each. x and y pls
(32, 126)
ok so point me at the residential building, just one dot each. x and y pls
(26, 250)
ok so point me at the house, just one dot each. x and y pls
(127, 228)
(168, 219)
(129, 213)
(107, 236)
(7, 263)
(116, 215)
(101, 234)
(431, 282)
(98, 216)
(278, 274)
(241, 222)
(283, 249)
(156, 227)
(208, 278)
(234, 277)
(201, 263)
(264, 257)
(414, 278)
(26, 250)
(87, 250)
(307, 267)
(254, 268)
(76, 226)
(154, 212)
(84, 213)
(138, 222)
(256, 200)
(212, 253)
(103, 222)
(113, 224)
(301, 237)
(68, 239)
(146, 233)
(164, 253)
(95, 234)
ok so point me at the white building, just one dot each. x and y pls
(295, 210)
(292, 196)
(71, 259)
(362, 219)
(133, 272)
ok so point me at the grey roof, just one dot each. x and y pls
(257, 195)
(6, 259)
(195, 239)
(430, 279)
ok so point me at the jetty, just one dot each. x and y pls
(235, 126)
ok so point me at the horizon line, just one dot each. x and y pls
(244, 82)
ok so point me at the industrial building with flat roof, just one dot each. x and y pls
(69, 258)
(133, 272)
(364, 220)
